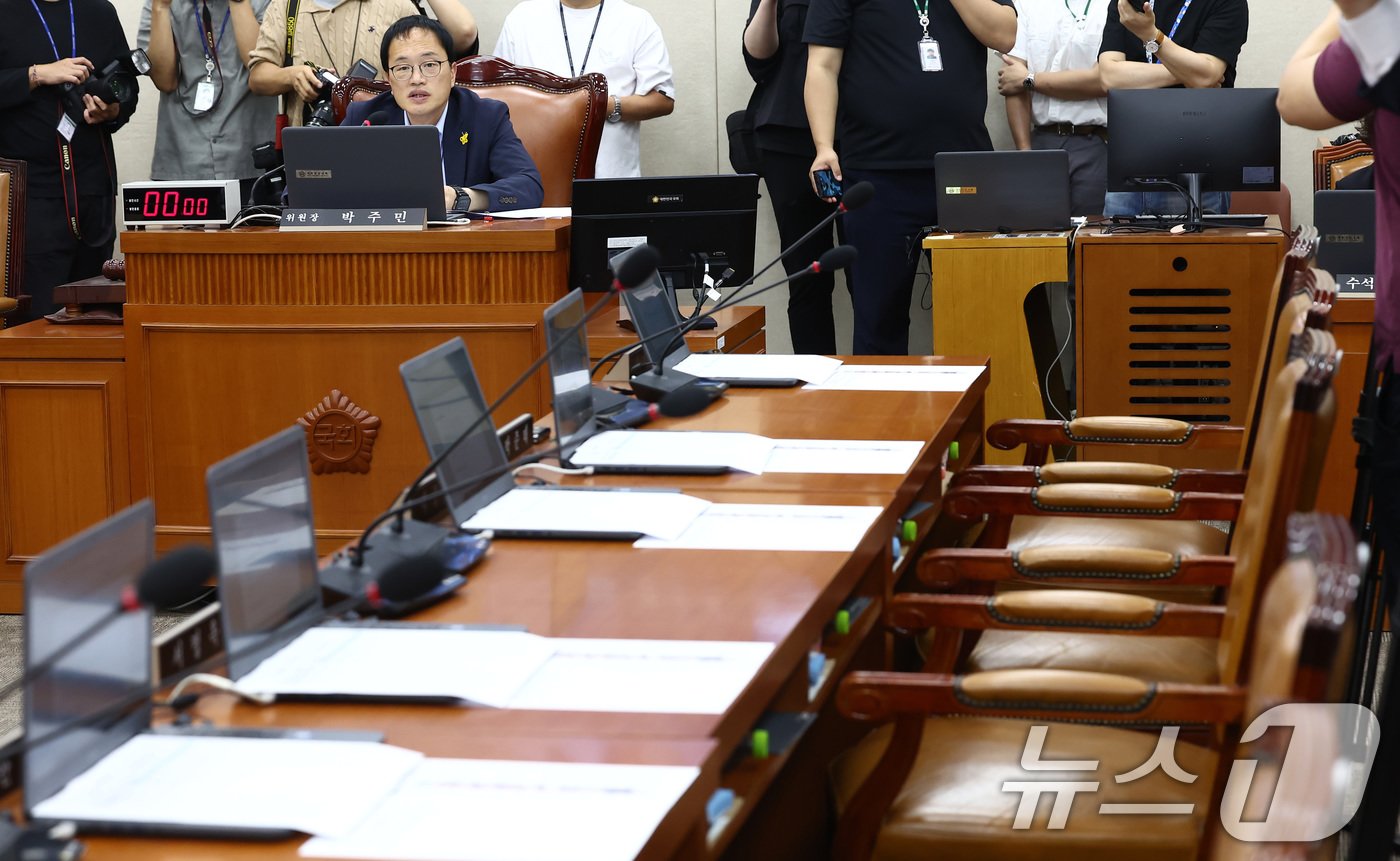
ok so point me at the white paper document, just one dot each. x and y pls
(744, 452)
(843, 457)
(747, 526)
(651, 676)
(760, 366)
(662, 514)
(512, 669)
(486, 810)
(481, 667)
(901, 378)
(320, 787)
(537, 212)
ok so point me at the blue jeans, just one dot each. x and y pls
(1161, 202)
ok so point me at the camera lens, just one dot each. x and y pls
(121, 88)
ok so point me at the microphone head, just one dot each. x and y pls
(411, 578)
(384, 118)
(857, 196)
(178, 577)
(636, 266)
(839, 257)
(684, 401)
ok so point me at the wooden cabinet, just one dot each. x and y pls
(1171, 326)
(63, 440)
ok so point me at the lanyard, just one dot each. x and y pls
(922, 12)
(586, 51)
(205, 23)
(1176, 26)
(1082, 15)
(72, 29)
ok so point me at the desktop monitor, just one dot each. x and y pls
(1202, 140)
(77, 704)
(700, 224)
(571, 383)
(264, 537)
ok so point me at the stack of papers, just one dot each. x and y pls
(315, 786)
(744, 452)
(843, 457)
(512, 669)
(901, 378)
(809, 369)
(747, 526)
(660, 513)
(484, 810)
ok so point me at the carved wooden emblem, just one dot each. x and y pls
(339, 435)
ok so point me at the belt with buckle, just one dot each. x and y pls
(1067, 129)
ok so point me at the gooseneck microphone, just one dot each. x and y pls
(174, 579)
(379, 118)
(855, 197)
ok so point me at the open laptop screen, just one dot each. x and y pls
(260, 509)
(653, 312)
(446, 400)
(69, 590)
(568, 367)
(344, 167)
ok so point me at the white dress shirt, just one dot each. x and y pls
(1374, 37)
(1056, 36)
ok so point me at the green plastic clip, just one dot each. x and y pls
(843, 622)
(909, 531)
(953, 450)
(759, 743)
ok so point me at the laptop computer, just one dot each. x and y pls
(1346, 224)
(446, 399)
(1003, 192)
(359, 167)
(574, 419)
(656, 319)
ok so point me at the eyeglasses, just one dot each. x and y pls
(430, 69)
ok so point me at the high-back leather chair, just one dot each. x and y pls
(12, 213)
(1333, 163)
(559, 120)
(1278, 203)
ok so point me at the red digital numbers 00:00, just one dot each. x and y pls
(170, 204)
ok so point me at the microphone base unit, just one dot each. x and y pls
(652, 387)
(342, 578)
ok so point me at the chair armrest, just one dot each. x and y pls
(1038, 435)
(8, 304)
(1095, 500)
(1102, 472)
(1081, 565)
(1079, 610)
(1053, 694)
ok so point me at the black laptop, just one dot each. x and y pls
(1346, 224)
(365, 167)
(1003, 192)
(574, 419)
(656, 318)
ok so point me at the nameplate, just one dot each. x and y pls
(1356, 284)
(354, 219)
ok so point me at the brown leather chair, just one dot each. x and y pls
(1080, 629)
(1332, 164)
(928, 787)
(12, 216)
(559, 120)
(1278, 203)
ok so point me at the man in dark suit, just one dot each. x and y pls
(484, 165)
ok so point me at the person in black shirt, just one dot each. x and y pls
(71, 220)
(897, 81)
(777, 61)
(1198, 49)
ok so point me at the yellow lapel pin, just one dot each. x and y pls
(463, 138)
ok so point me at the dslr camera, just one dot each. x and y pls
(322, 113)
(115, 84)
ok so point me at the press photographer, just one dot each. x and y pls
(67, 84)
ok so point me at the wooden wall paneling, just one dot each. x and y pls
(1170, 327)
(209, 381)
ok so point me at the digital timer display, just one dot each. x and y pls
(179, 203)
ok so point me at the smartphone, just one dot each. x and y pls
(827, 186)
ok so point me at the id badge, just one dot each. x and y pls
(66, 127)
(930, 55)
(204, 96)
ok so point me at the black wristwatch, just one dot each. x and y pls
(463, 203)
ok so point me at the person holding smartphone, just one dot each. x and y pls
(777, 61)
(900, 80)
(1170, 43)
(208, 120)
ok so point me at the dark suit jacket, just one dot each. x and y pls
(479, 147)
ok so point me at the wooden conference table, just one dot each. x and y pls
(610, 590)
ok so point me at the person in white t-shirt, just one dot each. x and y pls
(614, 37)
(1054, 99)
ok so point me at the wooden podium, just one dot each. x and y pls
(980, 282)
(1170, 326)
(233, 335)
